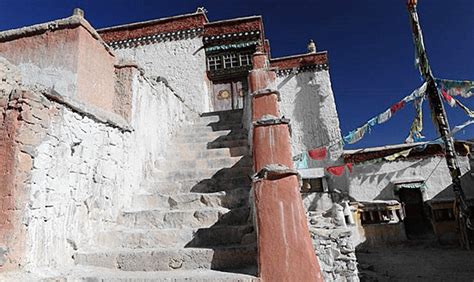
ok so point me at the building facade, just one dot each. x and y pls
(133, 151)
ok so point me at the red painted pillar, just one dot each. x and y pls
(285, 250)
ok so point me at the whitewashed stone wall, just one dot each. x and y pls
(84, 172)
(307, 99)
(375, 181)
(182, 64)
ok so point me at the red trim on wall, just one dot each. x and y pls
(137, 30)
(234, 25)
(300, 61)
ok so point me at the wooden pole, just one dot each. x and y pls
(440, 120)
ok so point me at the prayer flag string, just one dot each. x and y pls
(301, 160)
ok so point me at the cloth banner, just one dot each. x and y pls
(448, 98)
(421, 61)
(398, 106)
(336, 170)
(395, 156)
(383, 117)
(421, 147)
(417, 125)
(349, 167)
(339, 170)
(417, 93)
(463, 88)
(357, 134)
(301, 161)
(453, 102)
(318, 153)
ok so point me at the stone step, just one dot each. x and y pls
(204, 153)
(210, 137)
(193, 146)
(213, 127)
(197, 185)
(213, 120)
(223, 162)
(171, 259)
(199, 174)
(227, 199)
(83, 273)
(211, 134)
(227, 143)
(196, 218)
(183, 237)
(224, 115)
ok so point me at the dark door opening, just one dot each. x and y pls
(417, 223)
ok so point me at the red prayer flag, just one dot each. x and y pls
(318, 153)
(336, 170)
(448, 98)
(397, 106)
(349, 167)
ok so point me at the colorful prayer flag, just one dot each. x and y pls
(383, 117)
(336, 170)
(318, 153)
(456, 87)
(448, 98)
(394, 108)
(349, 167)
(417, 125)
(395, 156)
(301, 161)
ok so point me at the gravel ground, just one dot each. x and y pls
(416, 262)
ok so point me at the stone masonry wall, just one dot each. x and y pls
(334, 248)
(75, 172)
(307, 99)
(180, 63)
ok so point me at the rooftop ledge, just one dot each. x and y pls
(152, 22)
(301, 60)
(70, 22)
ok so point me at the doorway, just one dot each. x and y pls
(417, 223)
(229, 95)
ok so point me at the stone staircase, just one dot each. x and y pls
(192, 220)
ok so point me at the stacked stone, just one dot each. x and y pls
(334, 248)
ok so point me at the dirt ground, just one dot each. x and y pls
(416, 262)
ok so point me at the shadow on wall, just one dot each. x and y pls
(307, 110)
(467, 184)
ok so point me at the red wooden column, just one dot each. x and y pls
(285, 250)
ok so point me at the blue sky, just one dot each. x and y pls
(369, 43)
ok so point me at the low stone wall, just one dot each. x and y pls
(334, 248)
(71, 171)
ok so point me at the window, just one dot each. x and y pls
(230, 61)
(214, 62)
(245, 59)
